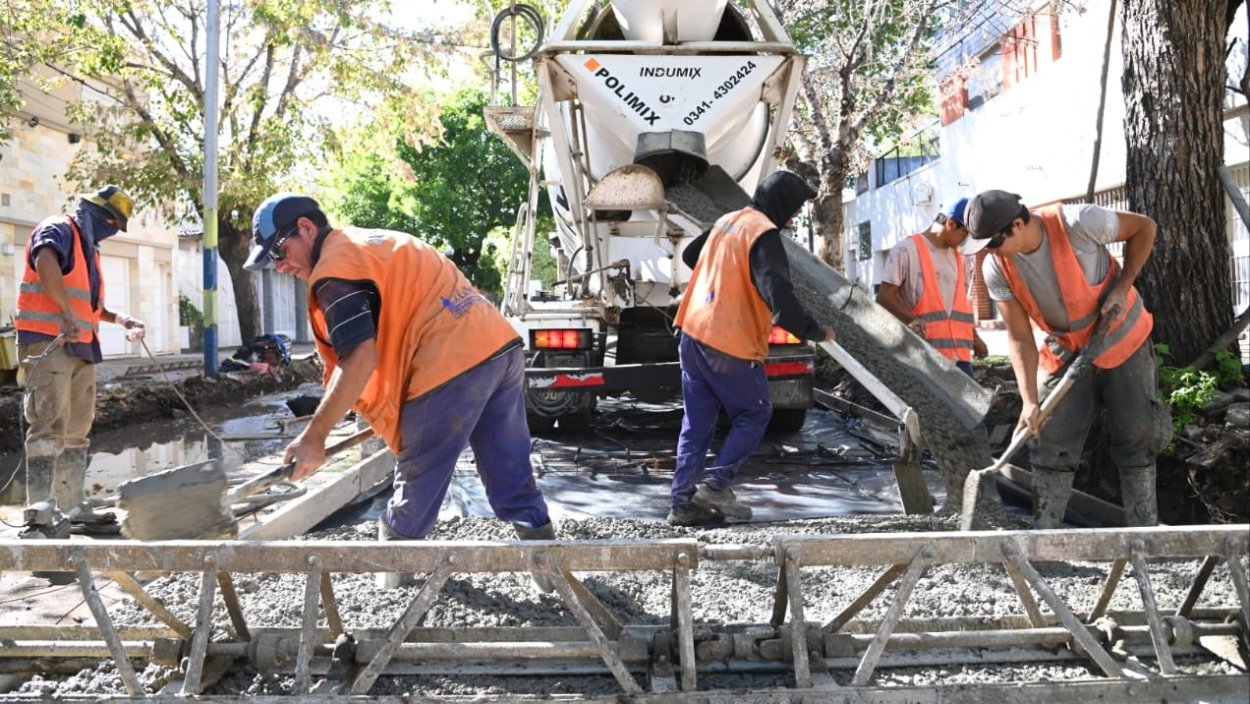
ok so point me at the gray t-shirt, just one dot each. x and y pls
(1090, 229)
(902, 269)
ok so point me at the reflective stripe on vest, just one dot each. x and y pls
(432, 324)
(37, 311)
(1082, 302)
(950, 332)
(721, 307)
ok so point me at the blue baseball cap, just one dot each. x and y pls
(274, 216)
(955, 211)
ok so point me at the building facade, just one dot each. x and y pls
(1019, 97)
(138, 265)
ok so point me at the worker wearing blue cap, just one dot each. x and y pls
(925, 286)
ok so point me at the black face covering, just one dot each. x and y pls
(93, 221)
(780, 196)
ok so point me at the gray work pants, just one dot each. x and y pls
(1138, 424)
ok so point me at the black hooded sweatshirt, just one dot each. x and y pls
(779, 197)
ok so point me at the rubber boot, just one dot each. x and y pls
(1051, 489)
(547, 532)
(392, 580)
(39, 479)
(1138, 492)
(70, 485)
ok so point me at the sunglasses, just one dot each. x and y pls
(997, 240)
(278, 251)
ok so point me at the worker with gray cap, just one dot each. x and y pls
(60, 305)
(1050, 266)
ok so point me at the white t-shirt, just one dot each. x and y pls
(902, 269)
(1090, 229)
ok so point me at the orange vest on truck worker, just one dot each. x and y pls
(951, 332)
(1082, 301)
(432, 324)
(721, 307)
(37, 312)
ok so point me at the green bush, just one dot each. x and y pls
(1186, 389)
(188, 314)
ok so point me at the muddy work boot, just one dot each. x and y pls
(722, 500)
(1051, 490)
(39, 483)
(392, 580)
(692, 516)
(1138, 492)
(547, 532)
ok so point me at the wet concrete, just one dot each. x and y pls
(835, 466)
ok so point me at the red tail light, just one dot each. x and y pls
(566, 339)
(780, 336)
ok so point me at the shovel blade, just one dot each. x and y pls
(183, 503)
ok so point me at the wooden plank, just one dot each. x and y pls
(297, 516)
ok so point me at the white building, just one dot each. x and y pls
(1021, 119)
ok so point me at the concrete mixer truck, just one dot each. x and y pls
(652, 118)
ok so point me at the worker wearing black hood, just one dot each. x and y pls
(739, 289)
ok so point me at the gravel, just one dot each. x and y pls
(722, 593)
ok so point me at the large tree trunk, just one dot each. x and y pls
(1174, 88)
(233, 246)
(827, 208)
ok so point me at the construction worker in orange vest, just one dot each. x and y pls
(60, 305)
(739, 288)
(420, 354)
(1051, 268)
(925, 286)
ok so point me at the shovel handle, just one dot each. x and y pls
(280, 474)
(1079, 366)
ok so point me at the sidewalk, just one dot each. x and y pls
(113, 368)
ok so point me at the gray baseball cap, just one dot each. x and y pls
(988, 214)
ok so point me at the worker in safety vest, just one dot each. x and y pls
(740, 287)
(1051, 268)
(60, 304)
(925, 286)
(419, 353)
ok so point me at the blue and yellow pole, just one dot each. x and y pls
(210, 187)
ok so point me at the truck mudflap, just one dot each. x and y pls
(626, 377)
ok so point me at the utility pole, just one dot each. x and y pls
(210, 187)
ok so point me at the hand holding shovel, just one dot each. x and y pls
(977, 479)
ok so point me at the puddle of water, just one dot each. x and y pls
(120, 455)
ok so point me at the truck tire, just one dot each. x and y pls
(787, 420)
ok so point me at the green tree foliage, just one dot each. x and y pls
(288, 69)
(452, 192)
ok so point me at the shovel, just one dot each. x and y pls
(978, 479)
(192, 502)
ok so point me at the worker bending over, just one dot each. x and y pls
(740, 287)
(1051, 268)
(925, 287)
(419, 353)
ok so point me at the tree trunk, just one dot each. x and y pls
(1174, 88)
(233, 246)
(827, 209)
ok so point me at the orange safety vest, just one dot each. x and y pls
(432, 324)
(721, 307)
(951, 332)
(37, 312)
(1082, 302)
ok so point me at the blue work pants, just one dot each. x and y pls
(710, 381)
(485, 409)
